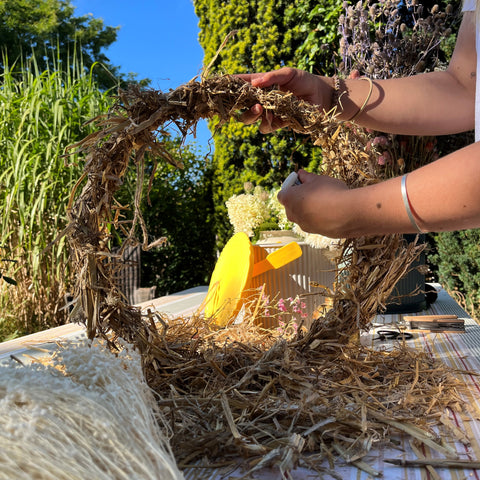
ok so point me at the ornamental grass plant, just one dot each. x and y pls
(40, 114)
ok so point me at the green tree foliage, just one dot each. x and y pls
(318, 22)
(51, 30)
(270, 34)
(182, 211)
(178, 208)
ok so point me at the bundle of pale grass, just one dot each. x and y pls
(89, 414)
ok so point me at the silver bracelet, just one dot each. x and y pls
(406, 202)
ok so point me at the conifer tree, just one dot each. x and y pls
(270, 34)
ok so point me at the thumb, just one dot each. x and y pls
(304, 176)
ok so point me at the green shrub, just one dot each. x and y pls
(457, 260)
(271, 34)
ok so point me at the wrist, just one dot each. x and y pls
(373, 210)
(342, 105)
(345, 215)
(341, 221)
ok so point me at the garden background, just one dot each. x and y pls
(54, 77)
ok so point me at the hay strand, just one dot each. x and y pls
(242, 391)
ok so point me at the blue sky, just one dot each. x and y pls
(158, 39)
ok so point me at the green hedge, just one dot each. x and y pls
(457, 260)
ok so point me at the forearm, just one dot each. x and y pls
(435, 103)
(444, 195)
(427, 104)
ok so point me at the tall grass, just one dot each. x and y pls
(40, 114)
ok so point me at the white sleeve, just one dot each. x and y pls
(468, 6)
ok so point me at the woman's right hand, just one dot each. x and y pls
(305, 86)
(315, 204)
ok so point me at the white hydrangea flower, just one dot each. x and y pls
(246, 212)
(279, 211)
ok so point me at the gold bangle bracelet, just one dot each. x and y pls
(364, 104)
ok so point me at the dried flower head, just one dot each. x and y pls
(393, 38)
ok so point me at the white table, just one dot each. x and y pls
(25, 348)
(458, 350)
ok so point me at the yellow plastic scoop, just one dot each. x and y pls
(233, 273)
(278, 258)
(231, 276)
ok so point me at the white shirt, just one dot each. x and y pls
(469, 6)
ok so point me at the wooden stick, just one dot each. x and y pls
(435, 462)
(431, 470)
(430, 318)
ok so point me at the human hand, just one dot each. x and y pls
(305, 86)
(314, 205)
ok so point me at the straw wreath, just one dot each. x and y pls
(244, 392)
